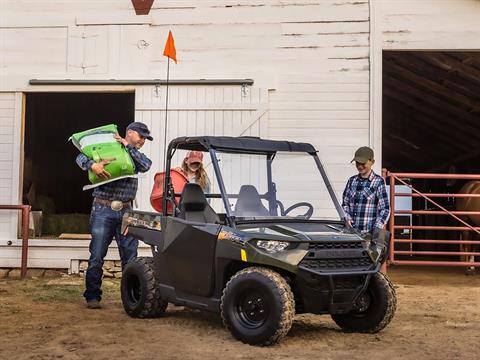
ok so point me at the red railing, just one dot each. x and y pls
(25, 218)
(395, 178)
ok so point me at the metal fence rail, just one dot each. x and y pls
(398, 178)
(25, 219)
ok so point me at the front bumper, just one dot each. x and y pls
(332, 276)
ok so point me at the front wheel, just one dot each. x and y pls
(139, 289)
(257, 306)
(374, 309)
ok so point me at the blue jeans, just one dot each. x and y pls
(105, 224)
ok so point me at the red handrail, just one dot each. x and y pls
(25, 218)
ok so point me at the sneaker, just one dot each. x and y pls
(94, 304)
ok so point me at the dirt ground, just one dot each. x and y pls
(438, 317)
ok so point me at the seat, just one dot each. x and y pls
(249, 202)
(194, 206)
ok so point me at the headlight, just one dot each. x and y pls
(272, 246)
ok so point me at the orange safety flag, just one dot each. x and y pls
(170, 48)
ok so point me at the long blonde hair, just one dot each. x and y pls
(200, 174)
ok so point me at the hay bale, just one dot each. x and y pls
(56, 224)
(4, 273)
(35, 273)
(14, 274)
(45, 204)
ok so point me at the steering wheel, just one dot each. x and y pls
(308, 214)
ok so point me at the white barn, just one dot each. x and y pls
(302, 70)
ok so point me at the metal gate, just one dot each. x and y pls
(429, 257)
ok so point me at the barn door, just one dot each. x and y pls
(230, 110)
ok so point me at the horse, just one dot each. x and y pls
(469, 204)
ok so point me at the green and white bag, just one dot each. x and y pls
(99, 144)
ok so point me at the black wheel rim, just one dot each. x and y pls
(364, 303)
(133, 289)
(252, 308)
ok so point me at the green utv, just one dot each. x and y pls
(261, 247)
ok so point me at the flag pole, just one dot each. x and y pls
(166, 119)
(171, 53)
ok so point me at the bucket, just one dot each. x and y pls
(156, 197)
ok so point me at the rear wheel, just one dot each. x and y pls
(258, 306)
(139, 289)
(374, 309)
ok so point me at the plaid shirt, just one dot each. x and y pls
(122, 189)
(365, 202)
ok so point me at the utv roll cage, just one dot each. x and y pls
(240, 145)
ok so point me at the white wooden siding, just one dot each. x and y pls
(56, 253)
(315, 54)
(35, 50)
(10, 122)
(196, 110)
(430, 24)
(88, 50)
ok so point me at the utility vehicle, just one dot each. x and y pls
(269, 241)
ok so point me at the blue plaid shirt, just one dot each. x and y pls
(122, 189)
(365, 202)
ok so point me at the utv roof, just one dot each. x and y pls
(243, 144)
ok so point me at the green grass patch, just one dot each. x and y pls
(64, 291)
(53, 293)
(6, 308)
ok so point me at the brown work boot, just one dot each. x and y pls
(94, 304)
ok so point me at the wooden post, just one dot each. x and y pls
(25, 220)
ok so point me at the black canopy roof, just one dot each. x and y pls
(243, 144)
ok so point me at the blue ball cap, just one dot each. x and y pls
(141, 129)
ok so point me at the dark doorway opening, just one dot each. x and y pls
(52, 180)
(431, 111)
(431, 124)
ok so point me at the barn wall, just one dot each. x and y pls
(417, 25)
(192, 111)
(430, 25)
(10, 113)
(313, 53)
(312, 56)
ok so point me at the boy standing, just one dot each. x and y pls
(365, 199)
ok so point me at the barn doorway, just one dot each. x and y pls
(431, 111)
(431, 124)
(52, 181)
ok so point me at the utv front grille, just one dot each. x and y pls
(336, 264)
(336, 256)
(335, 245)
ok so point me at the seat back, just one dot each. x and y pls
(249, 202)
(194, 206)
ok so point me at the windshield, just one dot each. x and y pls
(287, 185)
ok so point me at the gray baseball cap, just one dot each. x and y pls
(363, 154)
